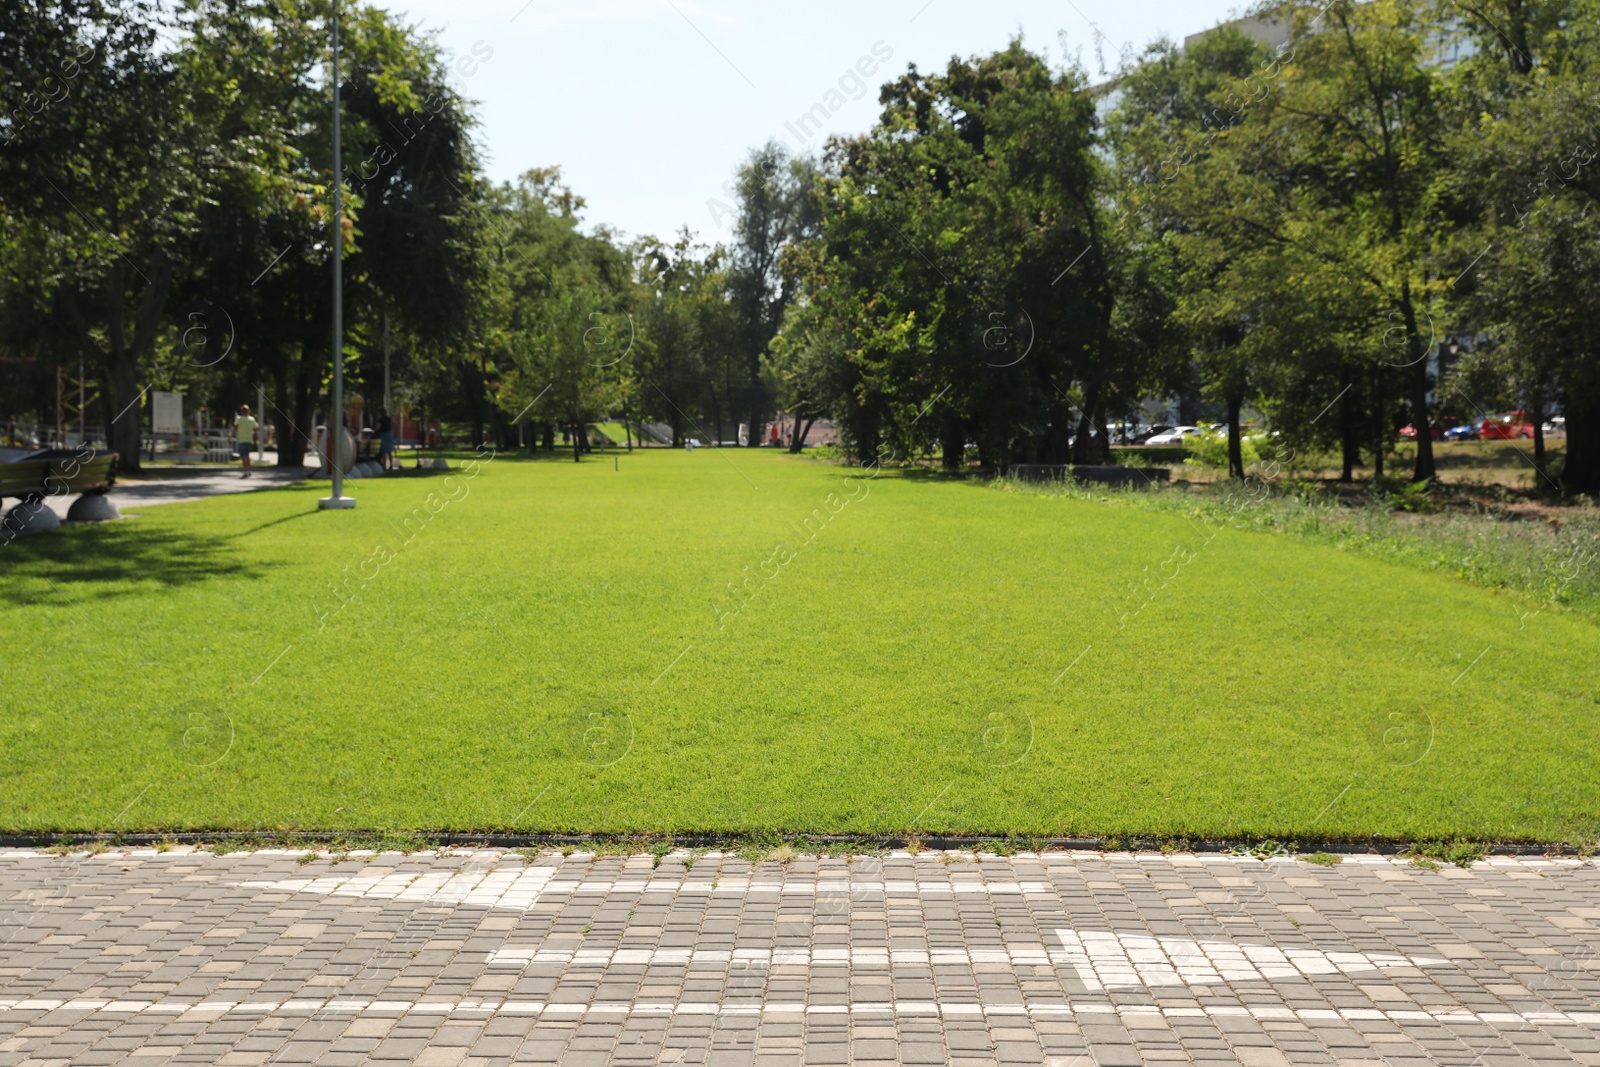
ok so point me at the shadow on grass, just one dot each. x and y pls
(266, 525)
(77, 565)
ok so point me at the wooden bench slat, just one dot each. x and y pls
(51, 477)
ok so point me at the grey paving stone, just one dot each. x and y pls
(204, 933)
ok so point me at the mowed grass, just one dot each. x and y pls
(552, 646)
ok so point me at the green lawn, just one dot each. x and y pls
(556, 650)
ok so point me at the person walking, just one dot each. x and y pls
(385, 439)
(244, 436)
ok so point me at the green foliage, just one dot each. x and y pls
(1211, 450)
(1402, 495)
(938, 304)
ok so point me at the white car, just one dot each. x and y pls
(1174, 436)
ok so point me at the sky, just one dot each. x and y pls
(648, 106)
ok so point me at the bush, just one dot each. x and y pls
(1212, 451)
(1401, 494)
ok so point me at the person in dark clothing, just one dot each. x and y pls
(385, 439)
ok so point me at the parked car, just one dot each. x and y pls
(1461, 433)
(1154, 431)
(1556, 427)
(1507, 427)
(1408, 432)
(1176, 436)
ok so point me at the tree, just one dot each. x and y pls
(1357, 115)
(558, 304)
(777, 206)
(1192, 203)
(109, 166)
(410, 233)
(688, 324)
(942, 276)
(1529, 147)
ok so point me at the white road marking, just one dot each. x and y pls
(1106, 960)
(1588, 1020)
(761, 959)
(1102, 960)
(522, 889)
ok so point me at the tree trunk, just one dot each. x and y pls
(1581, 471)
(1059, 443)
(1099, 435)
(952, 441)
(577, 445)
(1235, 445)
(549, 436)
(1350, 441)
(291, 441)
(1380, 417)
(1536, 416)
(305, 396)
(1081, 446)
(1424, 470)
(123, 434)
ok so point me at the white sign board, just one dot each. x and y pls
(167, 412)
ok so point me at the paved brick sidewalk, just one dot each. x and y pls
(479, 957)
(149, 488)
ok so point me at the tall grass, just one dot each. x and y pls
(1553, 561)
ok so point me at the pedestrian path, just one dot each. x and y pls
(179, 486)
(487, 956)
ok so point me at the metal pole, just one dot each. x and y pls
(336, 417)
(261, 422)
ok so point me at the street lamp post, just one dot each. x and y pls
(338, 501)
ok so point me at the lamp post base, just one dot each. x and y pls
(336, 503)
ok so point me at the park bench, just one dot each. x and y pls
(57, 472)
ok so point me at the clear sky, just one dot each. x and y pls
(649, 105)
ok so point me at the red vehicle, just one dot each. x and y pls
(1409, 432)
(1506, 427)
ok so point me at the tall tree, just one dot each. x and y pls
(1358, 115)
(965, 266)
(1529, 151)
(558, 307)
(109, 161)
(777, 206)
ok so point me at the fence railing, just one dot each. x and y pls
(192, 445)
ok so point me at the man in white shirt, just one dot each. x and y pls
(244, 436)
